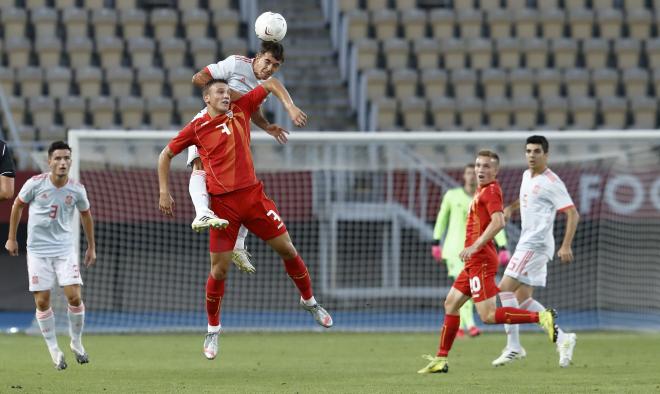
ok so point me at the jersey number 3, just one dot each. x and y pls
(53, 211)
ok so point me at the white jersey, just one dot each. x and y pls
(51, 213)
(540, 199)
(237, 71)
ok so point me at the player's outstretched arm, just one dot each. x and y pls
(6, 187)
(565, 252)
(165, 200)
(510, 209)
(16, 211)
(88, 228)
(273, 129)
(496, 224)
(201, 78)
(273, 85)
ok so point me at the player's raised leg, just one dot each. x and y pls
(240, 256)
(204, 216)
(76, 315)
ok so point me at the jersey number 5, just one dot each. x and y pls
(53, 211)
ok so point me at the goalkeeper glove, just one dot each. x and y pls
(504, 256)
(436, 252)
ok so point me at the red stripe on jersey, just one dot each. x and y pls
(566, 207)
(244, 59)
(552, 177)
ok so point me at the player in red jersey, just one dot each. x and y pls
(477, 280)
(222, 138)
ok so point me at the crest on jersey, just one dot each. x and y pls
(229, 114)
(68, 200)
(35, 280)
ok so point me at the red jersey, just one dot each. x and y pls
(223, 144)
(487, 200)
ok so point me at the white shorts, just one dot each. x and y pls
(528, 267)
(192, 155)
(43, 270)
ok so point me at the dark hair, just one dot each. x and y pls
(58, 145)
(489, 153)
(210, 83)
(275, 48)
(469, 165)
(538, 140)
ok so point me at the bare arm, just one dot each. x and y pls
(6, 188)
(88, 228)
(510, 209)
(496, 224)
(165, 200)
(565, 252)
(201, 78)
(275, 130)
(16, 211)
(273, 85)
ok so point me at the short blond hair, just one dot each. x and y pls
(489, 153)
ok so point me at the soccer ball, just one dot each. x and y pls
(270, 26)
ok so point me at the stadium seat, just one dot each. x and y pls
(111, 51)
(653, 53)
(396, 53)
(555, 111)
(89, 80)
(443, 113)
(7, 79)
(345, 5)
(120, 80)
(605, 82)
(426, 53)
(41, 108)
(525, 21)
(405, 4)
(104, 22)
(132, 22)
(187, 107)
(639, 23)
(226, 22)
(58, 80)
(29, 79)
(508, 52)
(536, 53)
(14, 22)
(48, 50)
(599, 5)
(576, 82)
(548, 82)
(552, 22)
(160, 111)
(470, 111)
(367, 52)
(179, 79)
(546, 5)
(489, 5)
(480, 51)
(44, 21)
(357, 22)
(635, 4)
(614, 112)
(525, 111)
(51, 132)
(494, 83)
(79, 51)
(656, 81)
(63, 4)
(164, 22)
(499, 23)
(219, 4)
(442, 23)
(234, 46)
(26, 132)
(413, 113)
(386, 108)
(627, 52)
(404, 83)
(584, 112)
(150, 80)
(565, 52)
(17, 108)
(453, 53)
(33, 4)
(434, 83)
(17, 49)
(521, 82)
(373, 5)
(131, 110)
(103, 112)
(644, 110)
(465, 83)
(141, 51)
(513, 5)
(376, 80)
(596, 52)
(499, 113)
(74, 21)
(72, 109)
(385, 23)
(204, 51)
(635, 82)
(96, 4)
(610, 22)
(581, 22)
(195, 23)
(463, 4)
(413, 21)
(469, 22)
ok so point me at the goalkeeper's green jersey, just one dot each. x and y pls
(452, 219)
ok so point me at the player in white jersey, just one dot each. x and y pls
(53, 198)
(242, 74)
(542, 195)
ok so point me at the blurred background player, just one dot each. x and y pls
(53, 198)
(477, 279)
(7, 172)
(223, 132)
(542, 195)
(242, 74)
(452, 219)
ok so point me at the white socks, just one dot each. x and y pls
(310, 302)
(240, 240)
(198, 193)
(46, 320)
(214, 329)
(512, 330)
(76, 316)
(532, 305)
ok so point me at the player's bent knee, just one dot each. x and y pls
(487, 316)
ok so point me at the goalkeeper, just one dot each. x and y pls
(452, 219)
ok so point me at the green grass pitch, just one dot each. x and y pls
(329, 362)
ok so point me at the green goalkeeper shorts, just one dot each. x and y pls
(454, 266)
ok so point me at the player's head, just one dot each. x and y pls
(486, 166)
(469, 176)
(536, 152)
(268, 60)
(216, 95)
(59, 158)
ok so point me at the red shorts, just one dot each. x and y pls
(477, 280)
(250, 207)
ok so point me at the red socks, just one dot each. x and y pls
(509, 315)
(297, 271)
(449, 329)
(215, 290)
